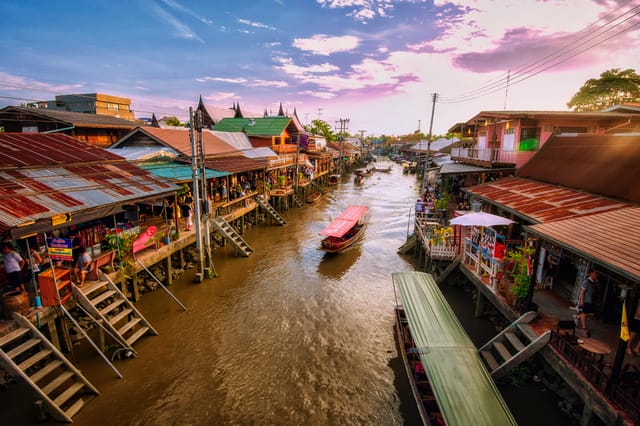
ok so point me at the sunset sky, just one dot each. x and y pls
(375, 62)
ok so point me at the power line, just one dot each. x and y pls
(556, 57)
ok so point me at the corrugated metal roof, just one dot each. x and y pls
(32, 188)
(235, 164)
(436, 145)
(540, 202)
(265, 126)
(177, 172)
(609, 238)
(144, 153)
(37, 149)
(237, 140)
(262, 152)
(459, 168)
(176, 139)
(77, 119)
(605, 165)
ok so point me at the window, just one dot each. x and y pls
(529, 138)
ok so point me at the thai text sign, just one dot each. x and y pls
(60, 248)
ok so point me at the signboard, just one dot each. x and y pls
(59, 219)
(60, 248)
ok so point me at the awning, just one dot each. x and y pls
(177, 172)
(464, 389)
(345, 221)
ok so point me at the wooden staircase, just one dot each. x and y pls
(104, 301)
(232, 236)
(26, 353)
(269, 209)
(515, 344)
(297, 201)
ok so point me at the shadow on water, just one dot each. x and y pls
(335, 265)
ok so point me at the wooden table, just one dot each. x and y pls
(594, 351)
(594, 346)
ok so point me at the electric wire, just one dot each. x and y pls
(526, 72)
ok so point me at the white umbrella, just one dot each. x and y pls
(480, 219)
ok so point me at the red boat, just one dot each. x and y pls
(345, 230)
(312, 198)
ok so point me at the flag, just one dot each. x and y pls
(624, 325)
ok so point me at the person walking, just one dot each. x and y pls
(13, 264)
(586, 306)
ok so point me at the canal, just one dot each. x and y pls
(287, 336)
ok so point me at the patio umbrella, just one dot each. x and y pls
(480, 219)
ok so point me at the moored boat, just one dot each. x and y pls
(448, 379)
(344, 231)
(313, 197)
(335, 179)
(382, 169)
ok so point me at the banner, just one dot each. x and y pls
(624, 325)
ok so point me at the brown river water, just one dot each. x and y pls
(288, 336)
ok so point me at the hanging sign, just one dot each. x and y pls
(60, 248)
(59, 219)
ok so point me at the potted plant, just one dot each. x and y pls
(516, 275)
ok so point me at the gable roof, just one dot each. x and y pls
(177, 139)
(76, 119)
(261, 126)
(600, 164)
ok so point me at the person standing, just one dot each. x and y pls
(586, 306)
(13, 264)
(187, 213)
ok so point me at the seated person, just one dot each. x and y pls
(82, 265)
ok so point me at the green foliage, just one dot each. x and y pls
(614, 87)
(520, 272)
(443, 202)
(321, 127)
(173, 121)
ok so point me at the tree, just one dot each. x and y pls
(614, 87)
(321, 127)
(173, 121)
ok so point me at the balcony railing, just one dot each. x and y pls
(284, 148)
(491, 156)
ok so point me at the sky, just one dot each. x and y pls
(377, 63)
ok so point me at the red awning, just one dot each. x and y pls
(345, 222)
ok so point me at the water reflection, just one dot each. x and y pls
(335, 265)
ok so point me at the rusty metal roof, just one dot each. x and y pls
(609, 238)
(540, 202)
(235, 164)
(77, 119)
(177, 139)
(605, 165)
(42, 175)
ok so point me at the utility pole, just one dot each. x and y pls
(208, 261)
(362, 143)
(344, 125)
(196, 197)
(434, 98)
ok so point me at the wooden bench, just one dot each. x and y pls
(105, 259)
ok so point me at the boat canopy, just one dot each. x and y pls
(464, 389)
(347, 220)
